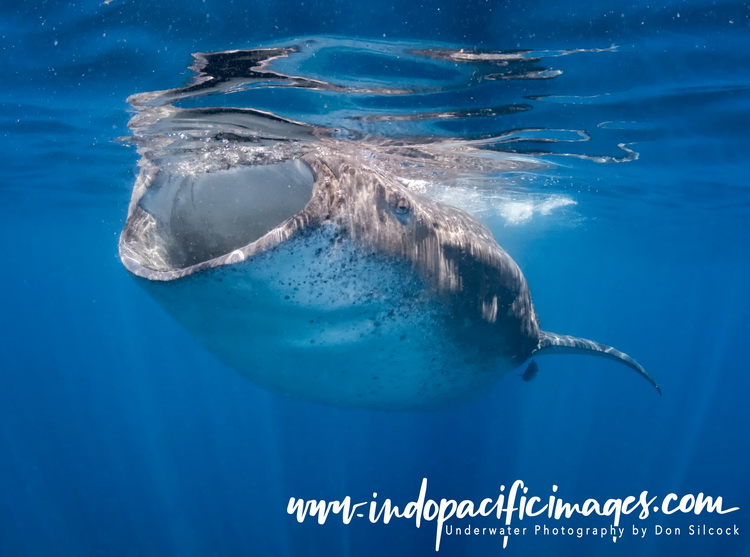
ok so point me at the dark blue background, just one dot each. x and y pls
(120, 436)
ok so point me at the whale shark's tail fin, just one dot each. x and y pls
(553, 343)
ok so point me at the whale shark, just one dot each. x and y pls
(304, 261)
(322, 278)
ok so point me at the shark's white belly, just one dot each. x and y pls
(317, 319)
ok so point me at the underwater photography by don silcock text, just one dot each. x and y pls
(309, 278)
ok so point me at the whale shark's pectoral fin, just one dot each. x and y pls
(553, 343)
(531, 370)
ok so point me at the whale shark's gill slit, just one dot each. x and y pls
(207, 215)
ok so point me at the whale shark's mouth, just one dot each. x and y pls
(215, 213)
(185, 220)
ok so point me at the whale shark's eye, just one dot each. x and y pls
(402, 206)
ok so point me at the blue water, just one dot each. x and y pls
(119, 435)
